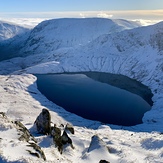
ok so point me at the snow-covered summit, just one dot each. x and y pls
(62, 33)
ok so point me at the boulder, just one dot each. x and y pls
(70, 128)
(43, 122)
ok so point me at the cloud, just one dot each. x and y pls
(140, 14)
(104, 15)
(145, 22)
(25, 22)
(82, 15)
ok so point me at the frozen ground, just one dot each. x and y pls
(136, 53)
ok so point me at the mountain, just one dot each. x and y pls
(75, 45)
(12, 37)
(55, 34)
(65, 33)
(9, 30)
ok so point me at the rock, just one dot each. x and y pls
(55, 131)
(34, 153)
(70, 128)
(60, 140)
(58, 143)
(97, 143)
(3, 114)
(103, 161)
(24, 132)
(56, 134)
(43, 122)
(66, 139)
(38, 151)
(25, 135)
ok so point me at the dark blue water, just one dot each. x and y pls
(92, 99)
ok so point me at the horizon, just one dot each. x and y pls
(30, 13)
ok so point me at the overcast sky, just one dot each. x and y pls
(150, 10)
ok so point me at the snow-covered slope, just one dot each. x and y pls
(9, 30)
(136, 53)
(12, 38)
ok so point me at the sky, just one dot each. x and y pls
(149, 10)
(77, 5)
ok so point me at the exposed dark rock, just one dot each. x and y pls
(3, 114)
(55, 131)
(27, 136)
(103, 161)
(38, 150)
(24, 132)
(66, 139)
(62, 125)
(43, 122)
(56, 134)
(58, 143)
(34, 153)
(70, 128)
(60, 140)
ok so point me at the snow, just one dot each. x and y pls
(9, 30)
(136, 53)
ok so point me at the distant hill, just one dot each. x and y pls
(12, 37)
(9, 30)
